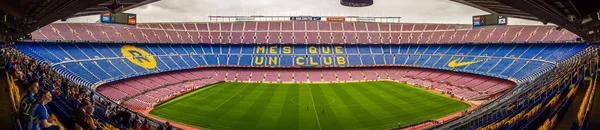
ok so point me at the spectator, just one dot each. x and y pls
(55, 91)
(9, 64)
(19, 79)
(79, 114)
(30, 75)
(76, 101)
(39, 114)
(169, 127)
(27, 102)
(123, 118)
(32, 88)
(160, 127)
(92, 99)
(64, 86)
(146, 125)
(85, 116)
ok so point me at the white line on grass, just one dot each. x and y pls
(230, 98)
(314, 107)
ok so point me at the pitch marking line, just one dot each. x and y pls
(315, 107)
(328, 97)
(236, 95)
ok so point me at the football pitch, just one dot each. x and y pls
(320, 106)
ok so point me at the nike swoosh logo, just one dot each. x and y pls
(455, 63)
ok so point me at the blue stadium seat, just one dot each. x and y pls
(432, 60)
(498, 68)
(233, 59)
(367, 59)
(98, 61)
(412, 59)
(379, 60)
(399, 60)
(246, 60)
(376, 49)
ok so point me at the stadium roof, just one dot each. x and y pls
(567, 14)
(101, 8)
(21, 17)
(496, 7)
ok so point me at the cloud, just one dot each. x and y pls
(414, 11)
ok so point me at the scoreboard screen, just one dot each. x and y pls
(310, 18)
(489, 20)
(119, 18)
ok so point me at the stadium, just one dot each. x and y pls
(299, 72)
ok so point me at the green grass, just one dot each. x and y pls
(262, 106)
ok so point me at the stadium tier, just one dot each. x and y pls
(100, 63)
(300, 32)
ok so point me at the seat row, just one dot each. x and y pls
(294, 32)
(468, 86)
(153, 89)
(95, 63)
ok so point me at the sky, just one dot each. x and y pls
(411, 11)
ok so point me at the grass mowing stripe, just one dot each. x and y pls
(283, 106)
(258, 106)
(306, 119)
(271, 116)
(431, 104)
(186, 96)
(383, 103)
(177, 108)
(404, 94)
(328, 117)
(289, 113)
(216, 98)
(315, 106)
(343, 115)
(235, 95)
(224, 109)
(358, 111)
(373, 108)
(433, 97)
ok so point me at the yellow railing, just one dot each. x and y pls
(108, 126)
(587, 100)
(15, 95)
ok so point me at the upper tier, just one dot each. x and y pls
(99, 63)
(300, 32)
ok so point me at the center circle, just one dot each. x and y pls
(330, 100)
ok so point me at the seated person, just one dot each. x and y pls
(39, 116)
(85, 116)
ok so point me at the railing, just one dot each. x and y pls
(55, 71)
(586, 105)
(14, 92)
(476, 118)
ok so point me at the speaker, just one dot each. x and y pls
(115, 7)
(356, 3)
